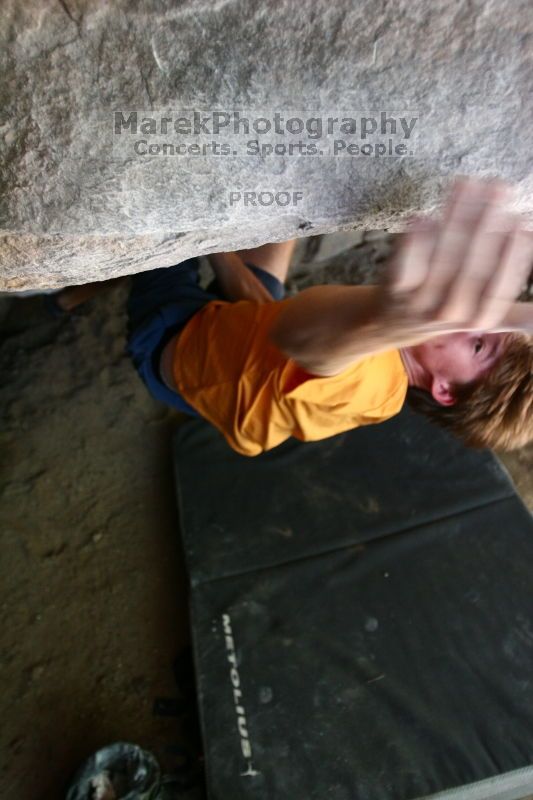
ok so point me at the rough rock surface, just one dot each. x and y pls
(79, 204)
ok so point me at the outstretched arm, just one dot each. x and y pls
(461, 272)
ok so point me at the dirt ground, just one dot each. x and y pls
(93, 595)
(93, 600)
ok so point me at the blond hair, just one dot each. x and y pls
(497, 410)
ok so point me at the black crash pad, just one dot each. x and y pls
(362, 617)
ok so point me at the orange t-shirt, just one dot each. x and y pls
(227, 368)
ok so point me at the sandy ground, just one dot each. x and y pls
(93, 596)
(93, 601)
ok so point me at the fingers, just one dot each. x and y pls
(510, 275)
(463, 258)
(478, 265)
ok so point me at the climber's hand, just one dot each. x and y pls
(464, 269)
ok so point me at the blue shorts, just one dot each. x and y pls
(161, 302)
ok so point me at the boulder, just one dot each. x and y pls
(133, 135)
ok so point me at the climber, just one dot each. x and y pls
(443, 325)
